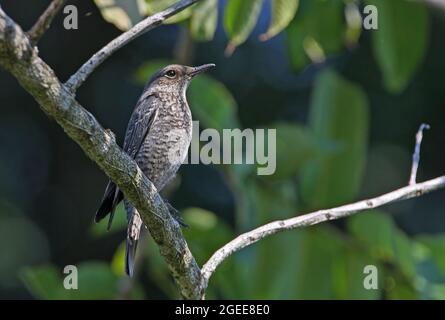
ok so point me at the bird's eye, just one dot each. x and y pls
(171, 73)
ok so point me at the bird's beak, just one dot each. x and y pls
(197, 70)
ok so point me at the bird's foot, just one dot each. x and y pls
(176, 215)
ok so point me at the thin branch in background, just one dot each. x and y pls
(44, 21)
(416, 154)
(248, 238)
(142, 27)
(313, 218)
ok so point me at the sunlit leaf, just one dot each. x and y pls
(122, 13)
(240, 17)
(204, 20)
(283, 11)
(118, 261)
(316, 31)
(400, 42)
(155, 6)
(354, 23)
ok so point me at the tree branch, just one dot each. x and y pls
(20, 58)
(145, 25)
(44, 21)
(416, 154)
(313, 218)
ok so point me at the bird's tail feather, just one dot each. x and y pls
(110, 200)
(130, 255)
(133, 233)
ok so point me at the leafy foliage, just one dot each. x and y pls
(401, 40)
(319, 164)
(338, 118)
(283, 11)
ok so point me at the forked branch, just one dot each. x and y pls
(44, 21)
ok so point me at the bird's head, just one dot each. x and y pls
(175, 78)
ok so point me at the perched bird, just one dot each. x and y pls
(158, 137)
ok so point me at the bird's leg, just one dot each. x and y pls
(176, 214)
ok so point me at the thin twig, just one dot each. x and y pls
(145, 25)
(44, 21)
(313, 218)
(416, 154)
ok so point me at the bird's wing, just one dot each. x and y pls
(139, 125)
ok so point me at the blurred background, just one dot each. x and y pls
(346, 103)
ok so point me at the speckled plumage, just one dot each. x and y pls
(158, 137)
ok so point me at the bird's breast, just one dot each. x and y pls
(166, 145)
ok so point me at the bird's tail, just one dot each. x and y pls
(110, 200)
(133, 234)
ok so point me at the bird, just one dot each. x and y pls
(158, 136)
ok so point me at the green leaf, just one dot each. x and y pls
(212, 104)
(401, 40)
(354, 23)
(122, 13)
(204, 20)
(118, 261)
(295, 146)
(240, 18)
(339, 116)
(283, 11)
(376, 231)
(44, 282)
(383, 240)
(348, 275)
(317, 31)
(95, 281)
(155, 6)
